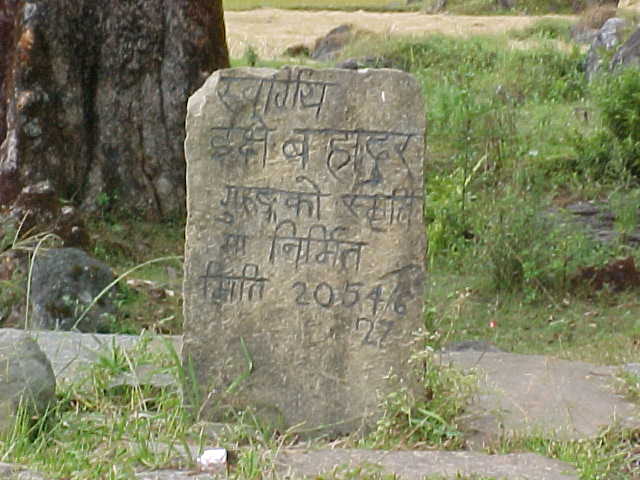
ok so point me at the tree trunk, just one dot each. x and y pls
(94, 97)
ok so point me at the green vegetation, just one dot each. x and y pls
(545, 28)
(95, 430)
(609, 456)
(526, 7)
(431, 420)
(101, 428)
(515, 134)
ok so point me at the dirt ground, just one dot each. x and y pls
(270, 31)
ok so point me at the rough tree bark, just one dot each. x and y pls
(93, 96)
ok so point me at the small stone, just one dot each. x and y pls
(213, 459)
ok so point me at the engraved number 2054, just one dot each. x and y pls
(351, 295)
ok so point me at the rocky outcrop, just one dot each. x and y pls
(629, 53)
(606, 40)
(93, 96)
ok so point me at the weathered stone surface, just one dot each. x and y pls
(629, 52)
(64, 282)
(176, 475)
(12, 471)
(305, 245)
(93, 96)
(416, 465)
(475, 345)
(26, 378)
(607, 38)
(71, 353)
(529, 394)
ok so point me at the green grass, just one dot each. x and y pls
(546, 28)
(609, 456)
(525, 7)
(96, 431)
(501, 149)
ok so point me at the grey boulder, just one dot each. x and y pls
(607, 39)
(26, 378)
(629, 53)
(64, 282)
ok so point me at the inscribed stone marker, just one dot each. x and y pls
(305, 240)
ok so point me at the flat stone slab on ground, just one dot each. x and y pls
(535, 394)
(70, 353)
(11, 471)
(410, 465)
(176, 475)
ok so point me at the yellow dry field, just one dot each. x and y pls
(313, 4)
(270, 31)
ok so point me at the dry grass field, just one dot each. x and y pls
(319, 4)
(270, 31)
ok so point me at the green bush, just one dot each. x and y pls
(618, 97)
(447, 222)
(529, 250)
(545, 28)
(613, 149)
(443, 53)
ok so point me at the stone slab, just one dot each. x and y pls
(305, 240)
(416, 465)
(70, 353)
(11, 471)
(535, 394)
(177, 475)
